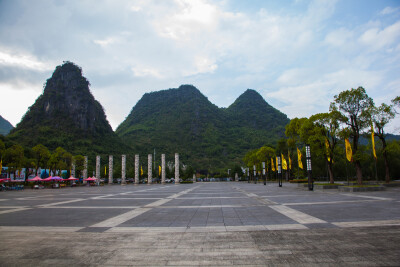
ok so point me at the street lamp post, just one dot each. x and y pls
(254, 172)
(308, 160)
(279, 171)
(248, 175)
(263, 173)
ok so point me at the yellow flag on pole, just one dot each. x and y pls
(141, 170)
(276, 166)
(272, 165)
(299, 156)
(1, 165)
(284, 164)
(373, 141)
(159, 170)
(290, 160)
(349, 152)
(105, 170)
(327, 150)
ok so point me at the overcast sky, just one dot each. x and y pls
(297, 54)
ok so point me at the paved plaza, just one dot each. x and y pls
(226, 223)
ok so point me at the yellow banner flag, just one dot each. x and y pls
(105, 170)
(272, 165)
(159, 170)
(373, 141)
(276, 164)
(141, 170)
(349, 152)
(284, 164)
(1, 165)
(327, 150)
(299, 158)
(290, 160)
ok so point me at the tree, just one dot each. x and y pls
(326, 136)
(42, 156)
(264, 154)
(14, 157)
(2, 149)
(380, 117)
(60, 160)
(354, 106)
(79, 162)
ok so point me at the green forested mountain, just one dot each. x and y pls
(5, 126)
(67, 115)
(183, 120)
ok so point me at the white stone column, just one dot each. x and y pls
(98, 167)
(177, 168)
(194, 178)
(163, 168)
(236, 177)
(110, 169)
(73, 170)
(123, 170)
(85, 170)
(149, 169)
(136, 169)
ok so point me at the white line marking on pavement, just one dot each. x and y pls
(58, 203)
(367, 223)
(209, 206)
(14, 210)
(372, 197)
(296, 215)
(329, 202)
(114, 221)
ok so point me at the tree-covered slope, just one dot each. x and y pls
(67, 115)
(5, 126)
(183, 120)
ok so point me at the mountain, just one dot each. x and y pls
(67, 115)
(5, 126)
(183, 120)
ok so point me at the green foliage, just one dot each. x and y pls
(67, 115)
(14, 157)
(206, 137)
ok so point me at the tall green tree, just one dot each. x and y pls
(326, 136)
(14, 157)
(381, 116)
(41, 155)
(79, 162)
(355, 106)
(264, 154)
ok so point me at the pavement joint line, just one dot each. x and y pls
(296, 215)
(209, 197)
(329, 202)
(367, 223)
(39, 229)
(13, 210)
(260, 199)
(114, 221)
(209, 206)
(363, 196)
(62, 202)
(92, 207)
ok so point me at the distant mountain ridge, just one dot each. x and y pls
(183, 120)
(67, 115)
(5, 126)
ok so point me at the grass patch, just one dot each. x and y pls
(363, 186)
(326, 184)
(298, 181)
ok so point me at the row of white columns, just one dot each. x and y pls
(123, 169)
